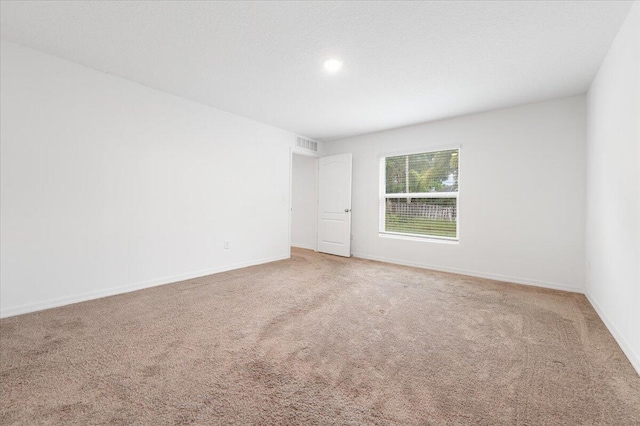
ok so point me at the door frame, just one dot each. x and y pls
(301, 151)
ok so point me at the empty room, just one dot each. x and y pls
(320, 213)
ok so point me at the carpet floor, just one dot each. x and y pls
(318, 339)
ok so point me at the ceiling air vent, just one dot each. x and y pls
(307, 144)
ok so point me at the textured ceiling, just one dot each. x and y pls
(403, 62)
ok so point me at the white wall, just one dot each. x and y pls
(304, 201)
(109, 186)
(613, 188)
(522, 194)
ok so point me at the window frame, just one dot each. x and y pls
(383, 196)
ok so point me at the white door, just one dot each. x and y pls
(334, 205)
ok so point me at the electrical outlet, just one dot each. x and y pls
(226, 245)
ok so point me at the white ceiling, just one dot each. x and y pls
(404, 62)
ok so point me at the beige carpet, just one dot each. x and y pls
(319, 339)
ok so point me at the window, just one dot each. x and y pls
(419, 194)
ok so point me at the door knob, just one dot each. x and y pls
(347, 210)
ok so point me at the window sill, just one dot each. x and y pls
(416, 238)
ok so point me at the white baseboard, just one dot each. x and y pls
(304, 246)
(490, 276)
(632, 356)
(83, 297)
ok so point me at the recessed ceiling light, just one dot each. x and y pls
(332, 65)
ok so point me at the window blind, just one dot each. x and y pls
(420, 194)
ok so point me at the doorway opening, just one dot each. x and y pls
(304, 201)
